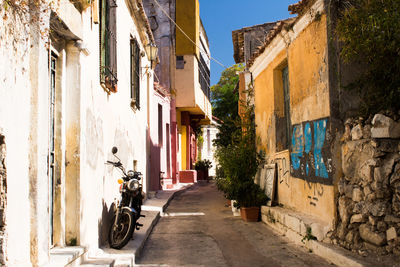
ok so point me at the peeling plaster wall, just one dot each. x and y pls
(23, 111)
(305, 171)
(89, 122)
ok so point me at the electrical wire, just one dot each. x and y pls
(183, 32)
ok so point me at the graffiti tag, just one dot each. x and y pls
(309, 155)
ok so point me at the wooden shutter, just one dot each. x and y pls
(108, 44)
(135, 72)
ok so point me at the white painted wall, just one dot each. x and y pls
(102, 120)
(208, 150)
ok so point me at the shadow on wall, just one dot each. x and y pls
(105, 222)
(155, 166)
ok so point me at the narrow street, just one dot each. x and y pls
(198, 229)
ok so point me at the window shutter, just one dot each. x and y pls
(135, 72)
(108, 45)
(112, 40)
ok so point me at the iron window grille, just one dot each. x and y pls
(135, 73)
(108, 45)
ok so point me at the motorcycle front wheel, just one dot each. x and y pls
(121, 233)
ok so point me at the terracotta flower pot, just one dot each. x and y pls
(249, 214)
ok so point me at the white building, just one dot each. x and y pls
(65, 101)
(208, 149)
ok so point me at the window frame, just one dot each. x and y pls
(135, 73)
(108, 45)
(282, 104)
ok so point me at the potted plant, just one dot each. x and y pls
(202, 167)
(250, 197)
(240, 161)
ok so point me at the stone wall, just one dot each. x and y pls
(3, 199)
(369, 190)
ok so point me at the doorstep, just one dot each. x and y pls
(294, 226)
(66, 256)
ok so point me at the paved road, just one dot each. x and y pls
(199, 230)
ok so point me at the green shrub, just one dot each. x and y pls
(369, 31)
(203, 165)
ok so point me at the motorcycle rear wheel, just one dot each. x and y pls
(120, 234)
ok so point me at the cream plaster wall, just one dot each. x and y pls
(89, 123)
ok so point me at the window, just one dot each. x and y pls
(286, 98)
(204, 77)
(180, 62)
(160, 126)
(135, 73)
(108, 45)
(282, 102)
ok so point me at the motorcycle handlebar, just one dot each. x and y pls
(116, 164)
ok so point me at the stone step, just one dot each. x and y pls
(67, 256)
(98, 263)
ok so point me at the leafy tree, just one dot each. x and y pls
(225, 97)
(370, 34)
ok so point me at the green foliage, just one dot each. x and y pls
(308, 236)
(239, 161)
(225, 99)
(202, 165)
(370, 34)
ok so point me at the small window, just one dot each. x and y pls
(282, 102)
(180, 62)
(108, 45)
(135, 73)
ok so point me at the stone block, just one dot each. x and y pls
(384, 127)
(293, 223)
(350, 237)
(391, 219)
(348, 191)
(396, 174)
(357, 195)
(357, 132)
(341, 186)
(344, 209)
(367, 190)
(371, 237)
(378, 208)
(357, 218)
(359, 207)
(366, 171)
(391, 234)
(366, 132)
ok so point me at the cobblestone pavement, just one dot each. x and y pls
(198, 229)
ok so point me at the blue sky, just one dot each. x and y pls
(221, 17)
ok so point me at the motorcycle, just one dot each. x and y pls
(128, 208)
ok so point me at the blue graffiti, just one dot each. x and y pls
(297, 146)
(307, 146)
(319, 139)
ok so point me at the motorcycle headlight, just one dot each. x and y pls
(130, 173)
(133, 184)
